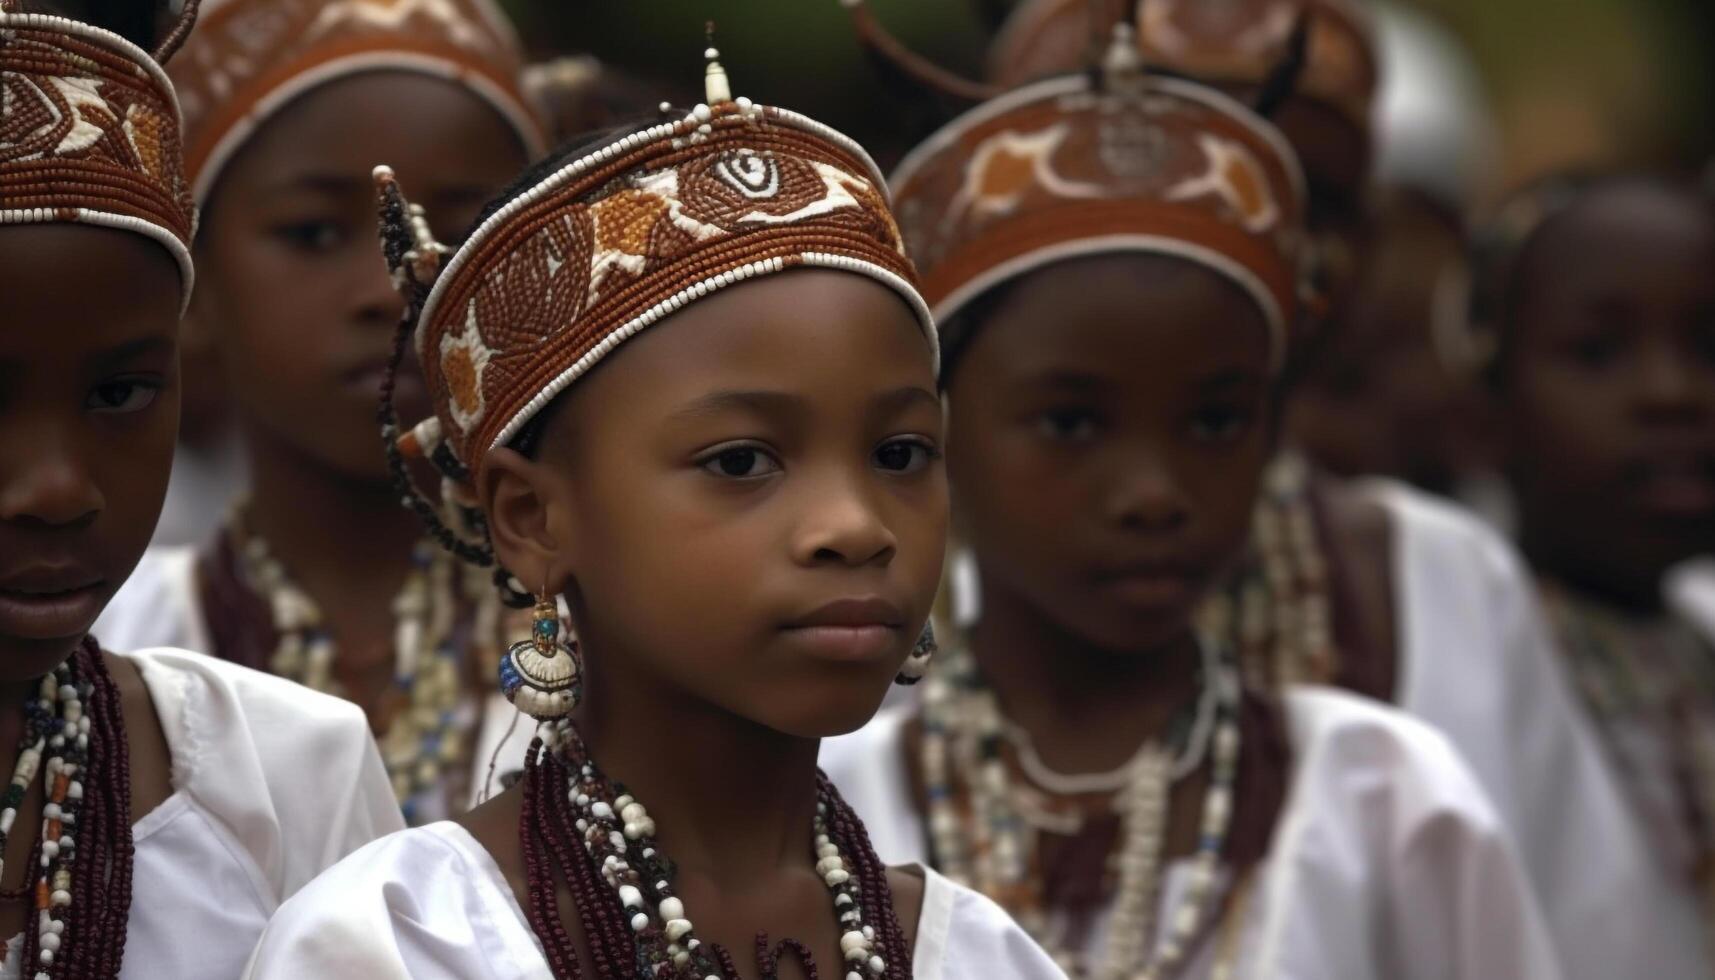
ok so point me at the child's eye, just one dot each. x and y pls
(1220, 423)
(741, 463)
(312, 236)
(1068, 424)
(122, 396)
(905, 455)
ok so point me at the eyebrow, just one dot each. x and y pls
(129, 351)
(1231, 378)
(325, 183)
(759, 402)
(904, 397)
(1070, 379)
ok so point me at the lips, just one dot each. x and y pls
(1149, 584)
(855, 629)
(1676, 485)
(49, 602)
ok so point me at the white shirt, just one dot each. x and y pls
(1476, 660)
(1387, 862)
(431, 904)
(272, 783)
(161, 606)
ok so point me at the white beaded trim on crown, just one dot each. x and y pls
(698, 116)
(1152, 244)
(691, 294)
(517, 116)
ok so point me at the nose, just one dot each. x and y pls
(1145, 496)
(843, 526)
(48, 483)
(378, 303)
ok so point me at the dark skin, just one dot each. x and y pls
(1607, 391)
(295, 304)
(1111, 423)
(697, 498)
(88, 409)
(1381, 398)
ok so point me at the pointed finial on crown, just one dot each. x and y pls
(1122, 62)
(716, 88)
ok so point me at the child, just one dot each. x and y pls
(1598, 297)
(190, 809)
(1114, 262)
(1371, 586)
(686, 374)
(318, 575)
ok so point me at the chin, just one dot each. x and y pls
(1128, 631)
(23, 659)
(837, 706)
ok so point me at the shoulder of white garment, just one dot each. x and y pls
(294, 775)
(157, 606)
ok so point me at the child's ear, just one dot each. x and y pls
(528, 520)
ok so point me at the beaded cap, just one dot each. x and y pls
(248, 59)
(1219, 42)
(1113, 161)
(620, 238)
(89, 133)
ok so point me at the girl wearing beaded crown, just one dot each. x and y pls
(1113, 257)
(686, 374)
(161, 804)
(317, 574)
(1369, 585)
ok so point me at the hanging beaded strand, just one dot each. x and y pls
(426, 737)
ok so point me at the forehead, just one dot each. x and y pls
(1635, 239)
(73, 288)
(1139, 314)
(387, 116)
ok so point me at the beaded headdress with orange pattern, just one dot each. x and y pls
(1115, 160)
(1234, 43)
(249, 58)
(610, 243)
(90, 131)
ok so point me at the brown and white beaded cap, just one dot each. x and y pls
(1234, 43)
(248, 59)
(1110, 161)
(89, 132)
(620, 238)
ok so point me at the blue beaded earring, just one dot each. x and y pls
(543, 676)
(917, 664)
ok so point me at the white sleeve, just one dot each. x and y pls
(1390, 861)
(411, 906)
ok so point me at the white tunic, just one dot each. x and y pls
(431, 904)
(160, 605)
(1475, 659)
(1387, 861)
(272, 783)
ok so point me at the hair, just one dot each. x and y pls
(472, 542)
(1504, 250)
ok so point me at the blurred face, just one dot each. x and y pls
(1609, 388)
(1109, 429)
(1379, 397)
(292, 289)
(749, 502)
(88, 412)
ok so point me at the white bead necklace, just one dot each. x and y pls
(963, 729)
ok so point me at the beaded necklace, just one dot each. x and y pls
(989, 845)
(623, 885)
(74, 739)
(1658, 675)
(426, 739)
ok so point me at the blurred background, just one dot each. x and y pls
(1489, 93)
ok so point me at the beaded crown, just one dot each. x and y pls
(1111, 161)
(619, 238)
(90, 133)
(248, 59)
(1234, 43)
